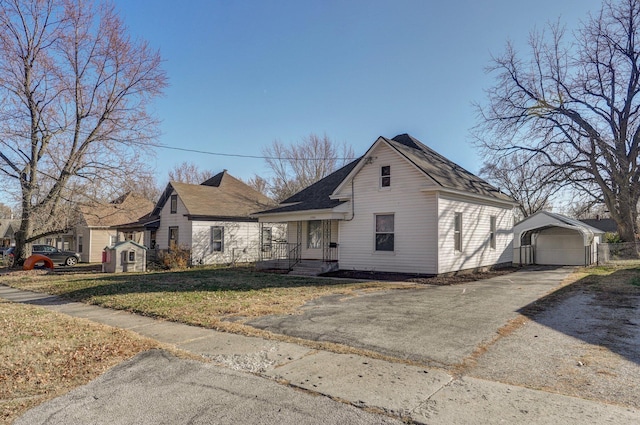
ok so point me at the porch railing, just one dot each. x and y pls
(281, 253)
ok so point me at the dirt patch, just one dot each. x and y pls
(420, 278)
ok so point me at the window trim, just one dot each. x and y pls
(376, 233)
(173, 204)
(457, 232)
(177, 229)
(214, 240)
(266, 244)
(492, 231)
(385, 179)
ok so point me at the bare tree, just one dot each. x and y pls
(188, 172)
(573, 104)
(525, 181)
(259, 184)
(5, 211)
(75, 90)
(296, 166)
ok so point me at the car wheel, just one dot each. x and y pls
(71, 261)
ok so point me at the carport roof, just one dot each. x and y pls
(545, 219)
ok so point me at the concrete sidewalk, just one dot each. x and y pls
(423, 395)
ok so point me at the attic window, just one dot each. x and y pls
(385, 176)
(174, 204)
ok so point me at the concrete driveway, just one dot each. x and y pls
(434, 325)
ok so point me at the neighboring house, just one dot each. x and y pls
(8, 228)
(607, 225)
(401, 207)
(548, 238)
(213, 220)
(97, 225)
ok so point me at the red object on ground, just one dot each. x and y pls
(30, 262)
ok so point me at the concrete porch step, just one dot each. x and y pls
(312, 268)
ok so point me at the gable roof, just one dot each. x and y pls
(220, 196)
(8, 227)
(442, 171)
(544, 220)
(125, 209)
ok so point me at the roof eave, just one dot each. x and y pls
(470, 195)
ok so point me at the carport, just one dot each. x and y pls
(552, 239)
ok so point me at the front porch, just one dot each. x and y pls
(310, 248)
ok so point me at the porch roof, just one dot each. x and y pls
(316, 196)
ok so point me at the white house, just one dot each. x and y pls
(213, 220)
(552, 239)
(401, 207)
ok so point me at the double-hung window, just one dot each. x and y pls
(174, 204)
(173, 237)
(217, 239)
(385, 176)
(385, 233)
(457, 232)
(267, 238)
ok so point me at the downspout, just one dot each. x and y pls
(353, 201)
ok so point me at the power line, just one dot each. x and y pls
(237, 155)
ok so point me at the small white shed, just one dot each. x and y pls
(126, 256)
(553, 239)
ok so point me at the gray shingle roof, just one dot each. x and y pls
(444, 172)
(316, 196)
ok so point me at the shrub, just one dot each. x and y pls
(177, 258)
(610, 237)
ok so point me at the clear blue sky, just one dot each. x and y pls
(244, 73)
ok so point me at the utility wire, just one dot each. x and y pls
(237, 155)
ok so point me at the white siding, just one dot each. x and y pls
(476, 250)
(415, 226)
(171, 220)
(241, 242)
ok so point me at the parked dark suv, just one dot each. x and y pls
(68, 258)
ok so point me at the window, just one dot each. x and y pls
(267, 238)
(217, 239)
(492, 232)
(314, 234)
(173, 237)
(457, 232)
(113, 239)
(132, 256)
(384, 232)
(174, 204)
(385, 176)
(80, 244)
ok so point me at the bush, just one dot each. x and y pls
(177, 258)
(610, 237)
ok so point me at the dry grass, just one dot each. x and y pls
(214, 298)
(44, 354)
